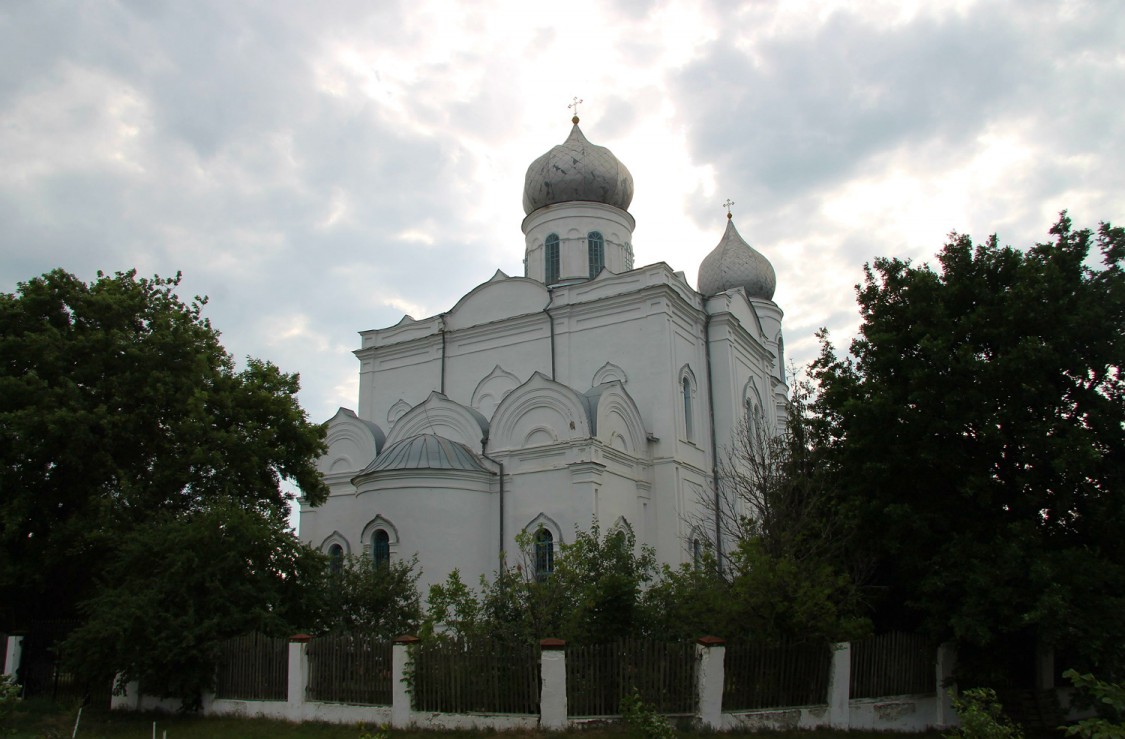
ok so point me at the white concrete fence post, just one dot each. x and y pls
(13, 651)
(297, 685)
(552, 686)
(946, 662)
(840, 686)
(402, 656)
(710, 655)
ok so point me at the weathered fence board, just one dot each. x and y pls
(598, 676)
(350, 668)
(253, 667)
(476, 677)
(761, 676)
(892, 664)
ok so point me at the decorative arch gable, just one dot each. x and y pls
(493, 389)
(619, 423)
(751, 393)
(543, 521)
(335, 538)
(499, 298)
(441, 416)
(352, 443)
(379, 522)
(609, 372)
(743, 309)
(397, 411)
(621, 525)
(538, 412)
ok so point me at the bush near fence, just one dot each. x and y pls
(893, 664)
(253, 667)
(599, 676)
(775, 676)
(347, 667)
(476, 676)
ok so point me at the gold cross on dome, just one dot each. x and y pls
(574, 106)
(727, 205)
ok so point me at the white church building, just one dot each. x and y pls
(587, 388)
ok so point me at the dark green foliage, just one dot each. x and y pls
(142, 477)
(118, 402)
(977, 430)
(381, 602)
(982, 717)
(1108, 699)
(181, 584)
(594, 594)
(792, 573)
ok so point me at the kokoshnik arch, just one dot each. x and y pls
(585, 388)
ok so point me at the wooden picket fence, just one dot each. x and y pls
(350, 668)
(253, 667)
(775, 676)
(892, 664)
(482, 676)
(598, 676)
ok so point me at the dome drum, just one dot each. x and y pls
(573, 223)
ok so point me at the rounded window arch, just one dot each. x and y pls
(595, 247)
(551, 258)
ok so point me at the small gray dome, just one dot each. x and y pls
(426, 452)
(577, 170)
(734, 263)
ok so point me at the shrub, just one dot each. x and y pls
(1109, 701)
(982, 717)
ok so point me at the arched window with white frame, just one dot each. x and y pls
(595, 247)
(551, 258)
(335, 560)
(381, 548)
(687, 398)
(544, 554)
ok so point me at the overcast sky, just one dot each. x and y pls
(318, 169)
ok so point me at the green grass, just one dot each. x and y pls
(35, 720)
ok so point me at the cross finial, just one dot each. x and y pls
(574, 106)
(727, 205)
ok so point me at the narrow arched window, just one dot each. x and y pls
(689, 428)
(381, 548)
(335, 559)
(696, 553)
(544, 554)
(551, 255)
(595, 245)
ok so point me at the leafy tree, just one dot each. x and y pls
(380, 601)
(182, 583)
(593, 594)
(977, 431)
(791, 572)
(117, 404)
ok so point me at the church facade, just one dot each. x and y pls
(586, 389)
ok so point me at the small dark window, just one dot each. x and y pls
(596, 248)
(544, 554)
(696, 553)
(381, 548)
(335, 559)
(552, 257)
(689, 427)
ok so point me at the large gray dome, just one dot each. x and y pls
(426, 452)
(577, 170)
(734, 263)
